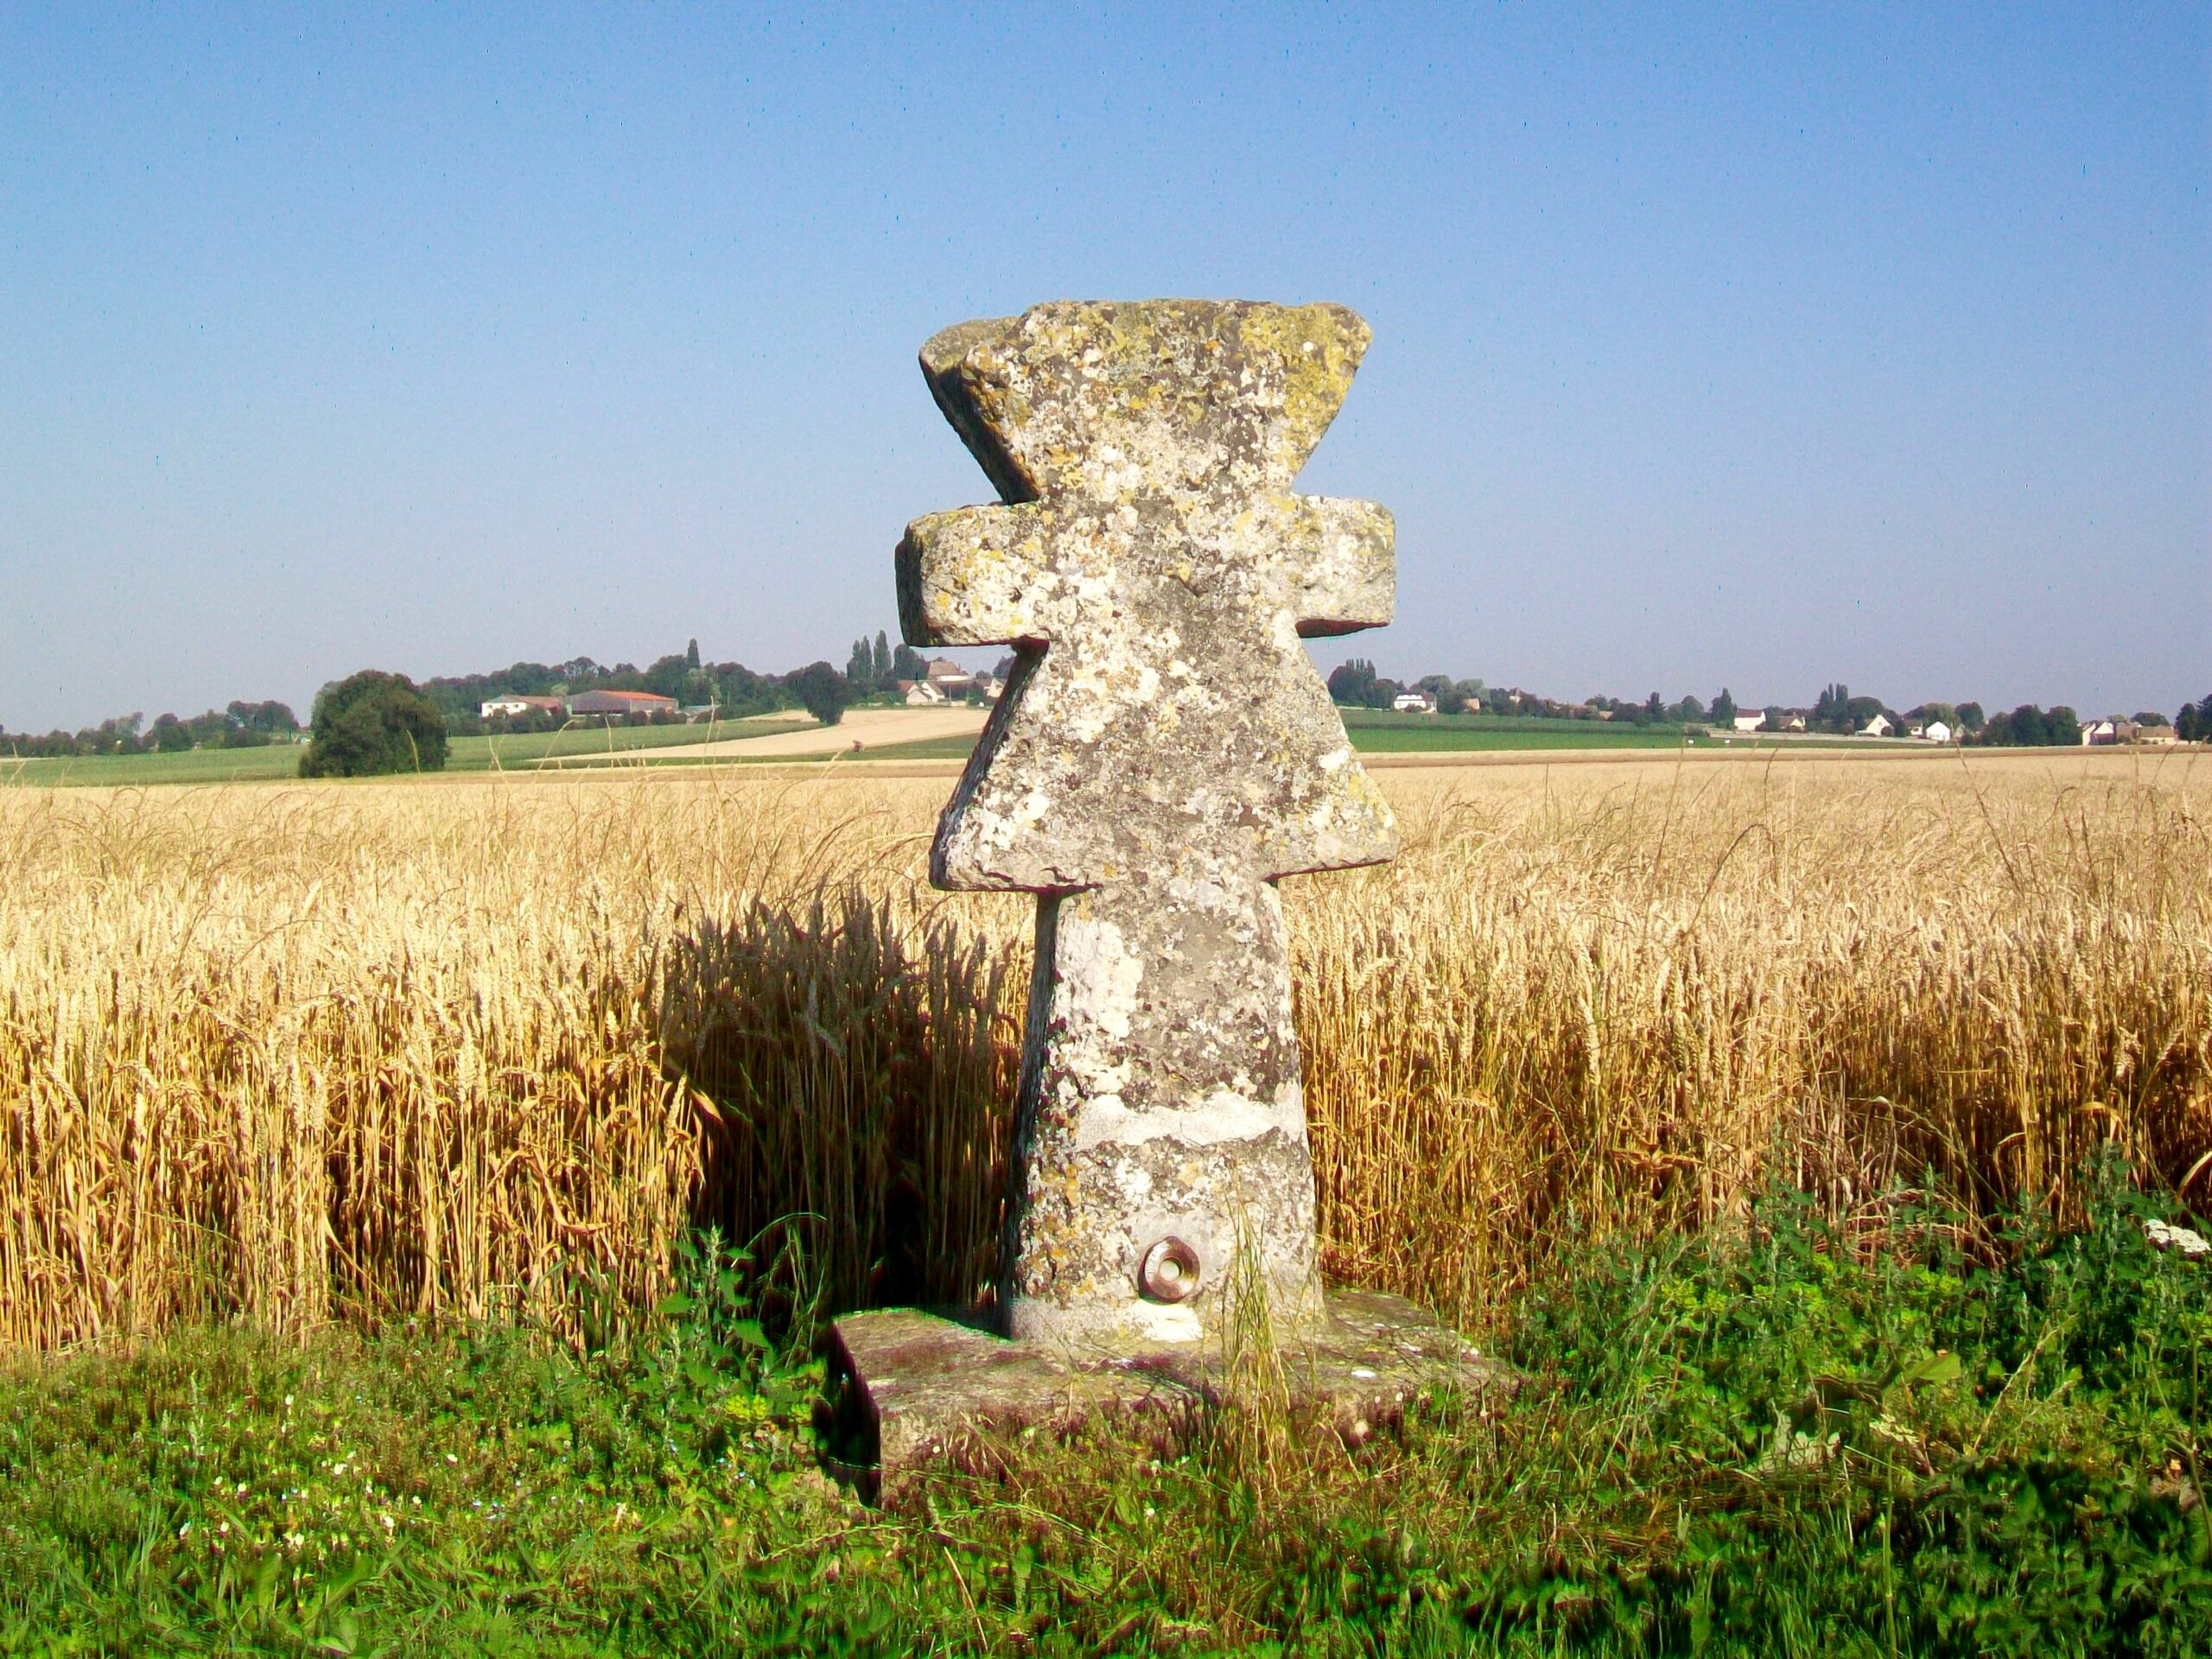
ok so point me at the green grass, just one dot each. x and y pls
(1372, 731)
(926, 748)
(527, 749)
(192, 766)
(282, 760)
(1378, 733)
(1770, 1443)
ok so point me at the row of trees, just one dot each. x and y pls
(872, 670)
(241, 726)
(731, 688)
(1836, 712)
(1357, 685)
(373, 718)
(377, 722)
(373, 722)
(2029, 727)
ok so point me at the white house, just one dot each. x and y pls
(1413, 703)
(1750, 722)
(1877, 726)
(919, 694)
(510, 706)
(2100, 732)
(1937, 731)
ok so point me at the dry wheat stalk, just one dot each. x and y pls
(453, 1048)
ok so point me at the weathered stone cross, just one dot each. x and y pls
(1164, 751)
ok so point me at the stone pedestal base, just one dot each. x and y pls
(915, 1391)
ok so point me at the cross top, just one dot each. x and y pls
(1155, 574)
(1067, 396)
(1162, 752)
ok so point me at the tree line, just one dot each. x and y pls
(877, 668)
(377, 722)
(345, 711)
(241, 726)
(1836, 712)
(732, 689)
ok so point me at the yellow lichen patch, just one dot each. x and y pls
(1320, 348)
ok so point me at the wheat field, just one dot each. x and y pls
(450, 1049)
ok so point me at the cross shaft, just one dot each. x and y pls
(1164, 751)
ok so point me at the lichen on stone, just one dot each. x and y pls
(1164, 753)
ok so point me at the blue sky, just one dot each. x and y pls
(1711, 345)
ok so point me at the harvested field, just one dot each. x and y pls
(443, 1048)
(860, 730)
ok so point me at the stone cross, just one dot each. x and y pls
(1163, 752)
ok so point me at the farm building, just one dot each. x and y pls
(948, 676)
(2101, 734)
(1413, 703)
(620, 704)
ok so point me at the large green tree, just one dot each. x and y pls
(1832, 708)
(371, 723)
(860, 667)
(1352, 683)
(271, 718)
(1355, 685)
(2030, 728)
(821, 690)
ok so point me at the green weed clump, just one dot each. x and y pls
(1938, 1438)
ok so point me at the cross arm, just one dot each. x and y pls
(1347, 575)
(972, 576)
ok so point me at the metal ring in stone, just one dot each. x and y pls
(1170, 1271)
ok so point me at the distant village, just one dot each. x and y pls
(682, 687)
(1835, 713)
(941, 680)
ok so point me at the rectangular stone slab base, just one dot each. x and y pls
(915, 1391)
